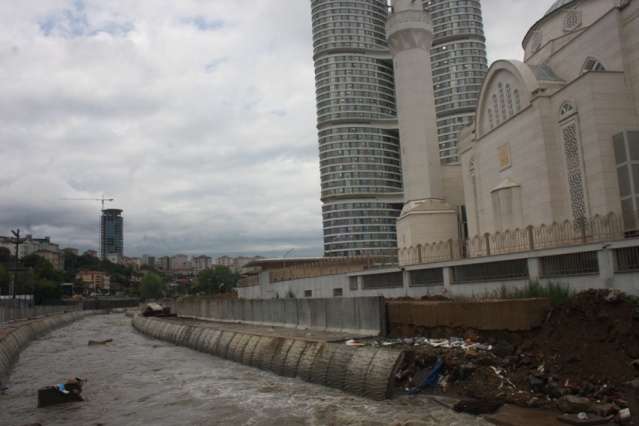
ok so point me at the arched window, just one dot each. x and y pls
(490, 118)
(501, 101)
(593, 64)
(517, 100)
(510, 100)
(496, 107)
(567, 108)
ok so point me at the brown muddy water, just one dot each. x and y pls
(136, 380)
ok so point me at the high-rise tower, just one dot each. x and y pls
(361, 173)
(459, 64)
(111, 233)
(357, 127)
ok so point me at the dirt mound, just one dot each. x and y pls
(595, 335)
(586, 348)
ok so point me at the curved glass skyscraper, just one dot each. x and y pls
(358, 134)
(458, 58)
(356, 119)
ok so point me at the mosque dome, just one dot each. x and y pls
(556, 5)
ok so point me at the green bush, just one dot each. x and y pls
(557, 292)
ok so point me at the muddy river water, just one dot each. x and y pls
(136, 380)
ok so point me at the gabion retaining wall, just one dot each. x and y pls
(363, 371)
(19, 335)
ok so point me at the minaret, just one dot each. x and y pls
(426, 217)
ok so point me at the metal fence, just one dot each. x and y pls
(611, 227)
(627, 259)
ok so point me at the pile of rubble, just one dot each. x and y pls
(579, 361)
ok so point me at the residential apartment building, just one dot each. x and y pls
(201, 262)
(94, 281)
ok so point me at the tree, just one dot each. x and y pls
(5, 255)
(151, 286)
(219, 279)
(47, 290)
(42, 268)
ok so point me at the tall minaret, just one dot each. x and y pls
(426, 217)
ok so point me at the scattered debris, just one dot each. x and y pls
(583, 419)
(478, 407)
(99, 342)
(152, 310)
(59, 394)
(156, 310)
(585, 352)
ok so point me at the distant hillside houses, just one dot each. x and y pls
(40, 246)
(176, 264)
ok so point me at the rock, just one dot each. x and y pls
(466, 370)
(604, 410)
(535, 382)
(553, 390)
(572, 404)
(533, 402)
(470, 353)
(503, 349)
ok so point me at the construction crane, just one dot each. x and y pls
(102, 210)
(90, 199)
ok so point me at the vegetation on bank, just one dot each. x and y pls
(557, 292)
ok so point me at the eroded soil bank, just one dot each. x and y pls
(579, 360)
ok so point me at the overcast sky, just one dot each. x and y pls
(196, 116)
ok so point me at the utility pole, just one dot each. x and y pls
(15, 266)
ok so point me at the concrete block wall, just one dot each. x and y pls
(512, 315)
(363, 371)
(13, 314)
(364, 315)
(14, 337)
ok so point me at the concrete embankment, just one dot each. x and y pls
(363, 371)
(14, 337)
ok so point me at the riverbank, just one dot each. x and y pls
(579, 360)
(15, 336)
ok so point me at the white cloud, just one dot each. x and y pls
(197, 117)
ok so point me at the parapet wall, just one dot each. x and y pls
(363, 315)
(363, 371)
(513, 315)
(14, 337)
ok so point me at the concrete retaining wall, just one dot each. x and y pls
(15, 337)
(363, 371)
(94, 304)
(12, 314)
(362, 315)
(514, 315)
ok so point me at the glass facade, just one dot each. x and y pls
(111, 232)
(459, 65)
(357, 115)
(359, 156)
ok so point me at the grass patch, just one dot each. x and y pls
(557, 292)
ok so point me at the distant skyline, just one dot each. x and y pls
(197, 118)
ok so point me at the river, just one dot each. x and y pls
(136, 380)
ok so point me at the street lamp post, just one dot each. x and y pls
(287, 255)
